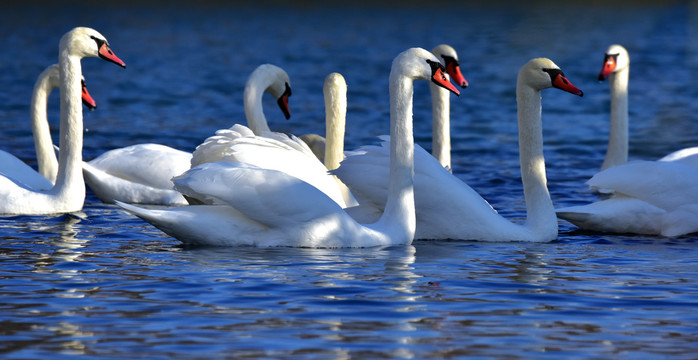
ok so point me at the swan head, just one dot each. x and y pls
(54, 80)
(277, 83)
(449, 59)
(542, 73)
(419, 64)
(615, 59)
(87, 42)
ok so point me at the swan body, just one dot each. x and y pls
(446, 207)
(263, 207)
(647, 197)
(272, 150)
(139, 173)
(68, 193)
(283, 153)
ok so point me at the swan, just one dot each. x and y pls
(446, 207)
(647, 197)
(279, 151)
(68, 193)
(270, 208)
(616, 68)
(16, 169)
(441, 105)
(142, 173)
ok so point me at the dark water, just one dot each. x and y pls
(107, 285)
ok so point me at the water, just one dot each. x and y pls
(103, 284)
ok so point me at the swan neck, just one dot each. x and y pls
(617, 151)
(254, 112)
(399, 214)
(335, 122)
(69, 181)
(441, 124)
(43, 144)
(541, 218)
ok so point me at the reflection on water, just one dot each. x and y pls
(106, 285)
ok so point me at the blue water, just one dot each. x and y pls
(103, 284)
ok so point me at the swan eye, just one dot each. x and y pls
(553, 73)
(611, 56)
(436, 66)
(448, 60)
(99, 41)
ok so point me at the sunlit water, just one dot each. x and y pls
(103, 284)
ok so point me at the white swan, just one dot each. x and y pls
(269, 208)
(272, 150)
(447, 208)
(142, 173)
(648, 197)
(68, 194)
(17, 170)
(616, 68)
(441, 105)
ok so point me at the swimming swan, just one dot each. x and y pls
(270, 208)
(446, 207)
(68, 193)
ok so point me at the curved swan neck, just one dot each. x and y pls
(69, 179)
(441, 124)
(540, 212)
(399, 212)
(45, 154)
(617, 151)
(254, 113)
(335, 91)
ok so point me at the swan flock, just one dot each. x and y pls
(250, 186)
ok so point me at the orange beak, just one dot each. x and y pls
(440, 79)
(283, 102)
(87, 99)
(106, 54)
(609, 64)
(562, 83)
(453, 69)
